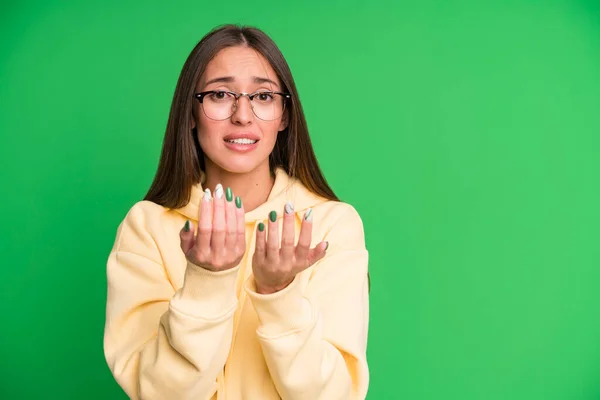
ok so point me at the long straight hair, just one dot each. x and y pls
(181, 161)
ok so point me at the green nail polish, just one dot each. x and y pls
(228, 194)
(326, 245)
(273, 216)
(238, 201)
(187, 226)
(261, 227)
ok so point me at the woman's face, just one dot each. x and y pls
(241, 142)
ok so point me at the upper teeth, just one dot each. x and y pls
(242, 141)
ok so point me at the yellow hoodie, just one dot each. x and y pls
(176, 331)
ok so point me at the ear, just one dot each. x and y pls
(193, 119)
(284, 121)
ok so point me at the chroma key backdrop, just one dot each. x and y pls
(465, 133)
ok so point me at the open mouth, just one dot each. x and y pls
(241, 141)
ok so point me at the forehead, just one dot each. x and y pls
(240, 62)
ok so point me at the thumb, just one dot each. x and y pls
(186, 235)
(318, 252)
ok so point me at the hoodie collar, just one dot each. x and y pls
(285, 189)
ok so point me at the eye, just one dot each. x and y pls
(264, 97)
(219, 95)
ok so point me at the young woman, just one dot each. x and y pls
(240, 275)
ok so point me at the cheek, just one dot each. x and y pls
(208, 133)
(270, 130)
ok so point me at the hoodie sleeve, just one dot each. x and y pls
(314, 332)
(160, 343)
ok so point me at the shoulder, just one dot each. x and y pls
(140, 224)
(143, 214)
(342, 223)
(339, 212)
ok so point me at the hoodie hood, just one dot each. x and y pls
(285, 189)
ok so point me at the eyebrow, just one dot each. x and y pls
(229, 79)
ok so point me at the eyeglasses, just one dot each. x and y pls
(220, 105)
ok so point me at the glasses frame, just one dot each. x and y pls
(201, 95)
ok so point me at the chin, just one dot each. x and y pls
(240, 166)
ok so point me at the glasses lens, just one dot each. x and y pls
(218, 105)
(268, 106)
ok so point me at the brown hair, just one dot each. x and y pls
(182, 160)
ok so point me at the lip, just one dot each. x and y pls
(241, 148)
(242, 135)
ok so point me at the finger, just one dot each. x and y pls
(261, 244)
(241, 225)
(317, 253)
(217, 243)
(186, 236)
(273, 238)
(288, 234)
(230, 221)
(305, 236)
(205, 223)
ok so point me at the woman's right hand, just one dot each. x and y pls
(220, 241)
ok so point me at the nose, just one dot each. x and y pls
(242, 111)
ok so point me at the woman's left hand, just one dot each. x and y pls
(275, 265)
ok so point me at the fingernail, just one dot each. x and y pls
(261, 227)
(207, 197)
(228, 194)
(289, 208)
(219, 191)
(187, 226)
(308, 215)
(326, 245)
(238, 201)
(273, 216)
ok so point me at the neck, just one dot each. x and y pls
(253, 187)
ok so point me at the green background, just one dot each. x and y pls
(466, 134)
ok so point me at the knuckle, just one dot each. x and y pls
(217, 262)
(303, 245)
(287, 241)
(199, 256)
